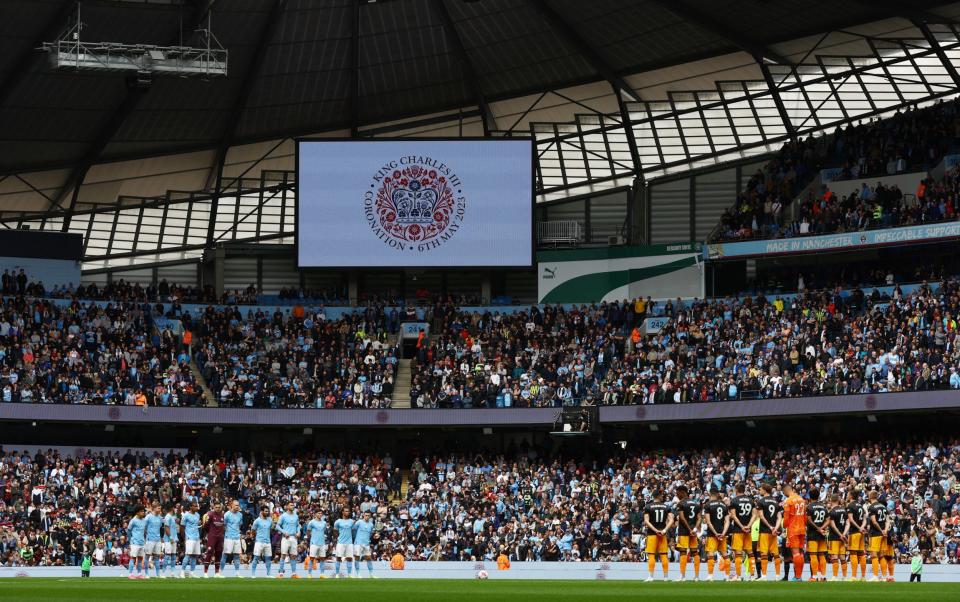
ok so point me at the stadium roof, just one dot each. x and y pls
(306, 66)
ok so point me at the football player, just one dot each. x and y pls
(718, 524)
(658, 519)
(688, 525)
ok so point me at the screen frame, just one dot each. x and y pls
(531, 258)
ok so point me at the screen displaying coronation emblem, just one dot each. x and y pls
(420, 204)
(414, 203)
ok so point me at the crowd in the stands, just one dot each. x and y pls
(166, 292)
(817, 343)
(527, 504)
(902, 268)
(296, 359)
(878, 207)
(89, 353)
(821, 342)
(912, 140)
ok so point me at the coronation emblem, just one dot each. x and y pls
(415, 203)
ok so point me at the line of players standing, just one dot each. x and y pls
(747, 529)
(154, 536)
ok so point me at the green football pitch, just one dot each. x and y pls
(416, 590)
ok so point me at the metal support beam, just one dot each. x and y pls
(775, 92)
(21, 64)
(106, 133)
(135, 93)
(720, 103)
(708, 23)
(469, 71)
(355, 71)
(230, 129)
(619, 85)
(631, 139)
(573, 37)
(935, 44)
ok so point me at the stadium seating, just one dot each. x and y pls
(460, 507)
(531, 299)
(286, 360)
(915, 140)
(821, 342)
(90, 353)
(904, 270)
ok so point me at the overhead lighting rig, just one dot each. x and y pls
(71, 52)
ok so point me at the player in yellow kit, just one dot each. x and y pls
(771, 519)
(838, 536)
(718, 524)
(856, 546)
(818, 525)
(880, 549)
(743, 513)
(688, 525)
(658, 518)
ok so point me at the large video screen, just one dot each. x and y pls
(414, 203)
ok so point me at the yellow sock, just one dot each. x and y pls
(738, 565)
(651, 563)
(763, 566)
(875, 566)
(823, 566)
(683, 564)
(863, 566)
(814, 565)
(710, 563)
(836, 568)
(665, 564)
(778, 564)
(843, 569)
(696, 565)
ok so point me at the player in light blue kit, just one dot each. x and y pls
(289, 527)
(261, 541)
(191, 539)
(344, 551)
(136, 533)
(153, 549)
(232, 521)
(316, 530)
(362, 534)
(171, 535)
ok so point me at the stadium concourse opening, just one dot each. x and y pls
(497, 297)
